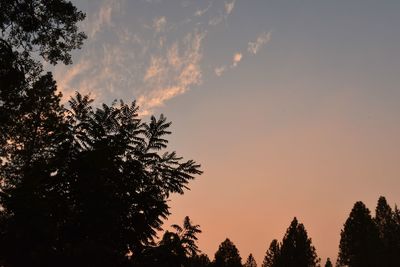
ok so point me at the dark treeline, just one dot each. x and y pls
(365, 241)
(87, 186)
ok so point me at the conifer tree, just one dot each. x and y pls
(250, 262)
(328, 263)
(359, 239)
(297, 249)
(227, 255)
(272, 255)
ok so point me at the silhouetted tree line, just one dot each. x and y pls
(86, 186)
(371, 241)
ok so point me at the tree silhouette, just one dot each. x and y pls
(389, 253)
(250, 262)
(201, 260)
(32, 145)
(328, 263)
(175, 249)
(272, 255)
(359, 239)
(49, 27)
(227, 255)
(106, 192)
(296, 249)
(187, 235)
(78, 186)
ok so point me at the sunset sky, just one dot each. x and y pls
(291, 107)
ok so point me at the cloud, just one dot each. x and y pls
(216, 20)
(229, 7)
(159, 24)
(152, 59)
(201, 12)
(219, 70)
(174, 73)
(262, 39)
(223, 15)
(103, 17)
(236, 59)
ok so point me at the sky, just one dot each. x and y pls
(291, 107)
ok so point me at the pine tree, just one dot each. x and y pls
(250, 262)
(272, 255)
(328, 263)
(296, 249)
(385, 221)
(201, 260)
(227, 255)
(359, 239)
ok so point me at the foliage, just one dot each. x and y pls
(49, 27)
(389, 234)
(297, 249)
(328, 263)
(201, 260)
(175, 249)
(104, 185)
(272, 255)
(227, 255)
(187, 235)
(250, 262)
(359, 239)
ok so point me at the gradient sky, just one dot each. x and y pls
(291, 107)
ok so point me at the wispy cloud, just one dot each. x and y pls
(151, 59)
(174, 73)
(103, 17)
(201, 12)
(219, 70)
(229, 6)
(236, 59)
(159, 24)
(261, 40)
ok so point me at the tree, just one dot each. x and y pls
(49, 27)
(105, 189)
(79, 186)
(227, 255)
(250, 262)
(187, 235)
(272, 255)
(32, 144)
(175, 249)
(297, 249)
(201, 260)
(389, 236)
(328, 263)
(359, 239)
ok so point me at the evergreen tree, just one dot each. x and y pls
(359, 239)
(272, 255)
(328, 263)
(389, 253)
(296, 249)
(250, 262)
(227, 255)
(201, 260)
